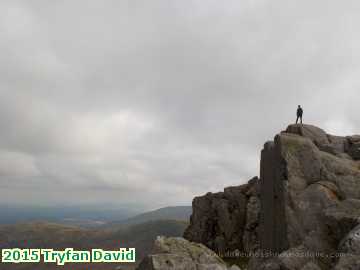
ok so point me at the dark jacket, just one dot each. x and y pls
(299, 112)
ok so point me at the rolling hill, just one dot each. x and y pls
(167, 213)
(57, 236)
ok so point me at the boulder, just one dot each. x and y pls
(175, 253)
(351, 242)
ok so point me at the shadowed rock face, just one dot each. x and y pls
(307, 200)
(272, 174)
(228, 220)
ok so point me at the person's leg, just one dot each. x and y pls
(301, 119)
(297, 119)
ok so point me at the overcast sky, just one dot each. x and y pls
(150, 103)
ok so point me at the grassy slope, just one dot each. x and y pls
(50, 235)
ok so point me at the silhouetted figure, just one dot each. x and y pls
(299, 114)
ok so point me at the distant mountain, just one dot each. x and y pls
(167, 213)
(58, 236)
(86, 216)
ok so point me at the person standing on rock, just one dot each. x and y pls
(299, 114)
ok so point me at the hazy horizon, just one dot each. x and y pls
(147, 104)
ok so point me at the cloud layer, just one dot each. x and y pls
(150, 103)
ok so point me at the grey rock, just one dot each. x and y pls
(220, 220)
(272, 218)
(344, 147)
(167, 262)
(311, 266)
(175, 253)
(251, 233)
(234, 267)
(311, 202)
(353, 139)
(269, 265)
(344, 173)
(354, 150)
(338, 144)
(309, 192)
(317, 135)
(342, 217)
(348, 262)
(351, 242)
(293, 258)
(353, 146)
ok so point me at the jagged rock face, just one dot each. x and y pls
(179, 254)
(228, 220)
(310, 187)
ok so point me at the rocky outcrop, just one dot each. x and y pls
(310, 191)
(227, 221)
(303, 213)
(340, 146)
(179, 254)
(303, 209)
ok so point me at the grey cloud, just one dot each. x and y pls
(120, 101)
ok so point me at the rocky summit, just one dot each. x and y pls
(303, 212)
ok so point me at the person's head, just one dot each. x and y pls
(299, 106)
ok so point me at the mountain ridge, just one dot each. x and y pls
(164, 213)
